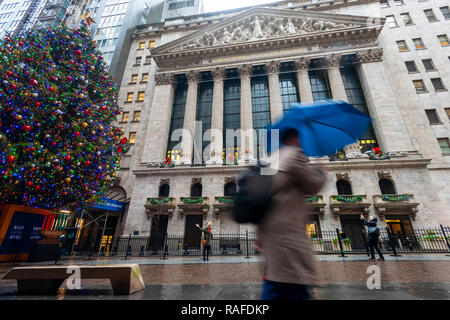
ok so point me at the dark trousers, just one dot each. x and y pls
(284, 291)
(206, 251)
(373, 244)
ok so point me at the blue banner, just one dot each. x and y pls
(110, 205)
(23, 231)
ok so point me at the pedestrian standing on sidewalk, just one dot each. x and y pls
(373, 233)
(206, 239)
(290, 267)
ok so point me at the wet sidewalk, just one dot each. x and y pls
(405, 277)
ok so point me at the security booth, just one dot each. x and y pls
(97, 226)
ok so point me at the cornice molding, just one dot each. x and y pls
(371, 55)
(164, 79)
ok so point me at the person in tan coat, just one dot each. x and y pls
(290, 263)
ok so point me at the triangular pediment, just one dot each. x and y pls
(266, 24)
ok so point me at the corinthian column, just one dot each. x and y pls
(187, 143)
(217, 117)
(247, 149)
(333, 63)
(159, 120)
(276, 106)
(335, 78)
(384, 110)
(304, 85)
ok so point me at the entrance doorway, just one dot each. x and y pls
(313, 226)
(192, 235)
(354, 229)
(401, 230)
(158, 232)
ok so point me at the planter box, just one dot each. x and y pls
(345, 247)
(318, 246)
(437, 244)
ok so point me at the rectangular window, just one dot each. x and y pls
(430, 15)
(437, 84)
(445, 12)
(444, 143)
(420, 86)
(398, 2)
(151, 44)
(320, 86)
(391, 22)
(447, 111)
(231, 117)
(402, 45)
(418, 43)
(125, 115)
(406, 18)
(148, 59)
(134, 78)
(203, 114)
(140, 96)
(136, 116)
(432, 116)
(384, 3)
(428, 64)
(288, 88)
(141, 45)
(443, 40)
(260, 108)
(138, 61)
(132, 138)
(130, 96)
(411, 66)
(144, 77)
(177, 119)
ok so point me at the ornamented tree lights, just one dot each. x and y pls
(58, 144)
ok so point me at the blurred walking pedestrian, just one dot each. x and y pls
(373, 233)
(290, 267)
(206, 239)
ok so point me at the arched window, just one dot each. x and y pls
(196, 190)
(164, 190)
(386, 186)
(343, 187)
(230, 189)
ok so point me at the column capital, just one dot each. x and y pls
(164, 79)
(272, 67)
(245, 71)
(301, 63)
(371, 55)
(218, 73)
(333, 60)
(193, 76)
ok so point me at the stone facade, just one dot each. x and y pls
(268, 36)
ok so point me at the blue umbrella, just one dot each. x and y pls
(324, 127)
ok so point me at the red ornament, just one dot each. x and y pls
(102, 108)
(87, 163)
(120, 150)
(53, 78)
(9, 73)
(69, 78)
(26, 128)
(31, 149)
(37, 187)
(67, 158)
(76, 133)
(78, 51)
(13, 86)
(33, 82)
(29, 183)
(10, 159)
(51, 89)
(21, 43)
(37, 104)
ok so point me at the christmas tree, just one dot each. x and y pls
(59, 147)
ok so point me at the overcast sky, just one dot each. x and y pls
(217, 5)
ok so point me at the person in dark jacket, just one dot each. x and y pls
(373, 232)
(206, 237)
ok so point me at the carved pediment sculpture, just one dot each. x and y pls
(260, 28)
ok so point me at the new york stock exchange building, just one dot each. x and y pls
(243, 68)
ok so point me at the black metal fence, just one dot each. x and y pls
(424, 240)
